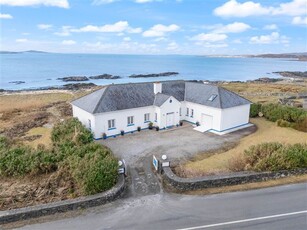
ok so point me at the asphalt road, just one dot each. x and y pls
(283, 207)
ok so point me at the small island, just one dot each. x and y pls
(165, 74)
(17, 82)
(73, 78)
(105, 76)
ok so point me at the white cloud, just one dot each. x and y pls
(293, 8)
(210, 37)
(102, 2)
(143, 1)
(269, 39)
(56, 3)
(299, 21)
(237, 41)
(21, 40)
(44, 26)
(65, 31)
(118, 27)
(69, 42)
(232, 8)
(160, 30)
(127, 39)
(236, 27)
(6, 16)
(172, 46)
(270, 27)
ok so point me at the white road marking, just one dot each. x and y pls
(244, 221)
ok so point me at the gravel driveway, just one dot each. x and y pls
(177, 143)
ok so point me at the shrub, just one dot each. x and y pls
(157, 128)
(71, 131)
(271, 157)
(104, 136)
(92, 166)
(283, 123)
(255, 109)
(301, 125)
(274, 112)
(150, 125)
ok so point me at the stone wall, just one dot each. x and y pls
(186, 184)
(63, 206)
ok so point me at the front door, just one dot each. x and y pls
(169, 120)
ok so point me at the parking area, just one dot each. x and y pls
(177, 143)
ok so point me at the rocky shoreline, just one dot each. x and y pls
(292, 74)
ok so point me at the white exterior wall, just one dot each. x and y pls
(235, 116)
(198, 111)
(101, 120)
(166, 108)
(223, 119)
(84, 117)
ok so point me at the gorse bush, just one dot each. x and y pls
(71, 132)
(271, 157)
(285, 116)
(254, 110)
(92, 166)
(274, 112)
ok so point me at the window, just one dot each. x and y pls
(187, 112)
(130, 121)
(111, 124)
(180, 112)
(192, 112)
(156, 116)
(146, 117)
(212, 97)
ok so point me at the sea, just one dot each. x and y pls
(42, 69)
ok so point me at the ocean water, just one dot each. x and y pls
(43, 69)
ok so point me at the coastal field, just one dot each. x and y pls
(29, 116)
(218, 162)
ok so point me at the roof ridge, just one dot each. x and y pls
(88, 94)
(146, 82)
(101, 97)
(234, 93)
(219, 96)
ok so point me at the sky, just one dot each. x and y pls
(193, 27)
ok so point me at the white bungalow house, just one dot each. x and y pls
(125, 107)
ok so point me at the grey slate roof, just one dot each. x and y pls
(133, 95)
(160, 98)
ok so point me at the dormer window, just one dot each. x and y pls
(212, 97)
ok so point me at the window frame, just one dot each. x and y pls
(130, 120)
(146, 119)
(192, 112)
(188, 112)
(111, 124)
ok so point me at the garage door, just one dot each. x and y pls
(206, 122)
(169, 120)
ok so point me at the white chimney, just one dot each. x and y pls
(157, 87)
